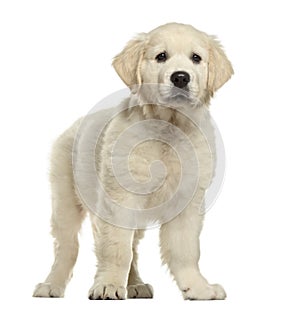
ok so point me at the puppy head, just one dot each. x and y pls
(182, 62)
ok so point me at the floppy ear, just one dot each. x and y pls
(219, 67)
(127, 64)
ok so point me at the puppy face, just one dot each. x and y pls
(180, 62)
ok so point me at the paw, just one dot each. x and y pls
(209, 292)
(140, 291)
(106, 292)
(48, 290)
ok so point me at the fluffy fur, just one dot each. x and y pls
(117, 275)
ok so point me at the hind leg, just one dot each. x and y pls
(67, 216)
(66, 222)
(136, 288)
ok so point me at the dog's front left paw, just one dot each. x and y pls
(140, 291)
(106, 292)
(48, 290)
(209, 292)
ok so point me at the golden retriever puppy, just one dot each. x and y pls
(145, 162)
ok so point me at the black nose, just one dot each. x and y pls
(180, 79)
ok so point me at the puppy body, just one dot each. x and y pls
(116, 247)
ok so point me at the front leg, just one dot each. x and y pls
(179, 241)
(113, 247)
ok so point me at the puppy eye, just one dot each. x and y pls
(196, 58)
(162, 57)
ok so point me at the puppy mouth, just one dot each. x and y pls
(178, 93)
(170, 92)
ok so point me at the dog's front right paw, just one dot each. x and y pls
(48, 290)
(106, 292)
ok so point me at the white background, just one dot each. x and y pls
(55, 65)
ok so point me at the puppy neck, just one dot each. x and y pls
(177, 116)
(152, 111)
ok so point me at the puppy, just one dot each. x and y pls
(145, 163)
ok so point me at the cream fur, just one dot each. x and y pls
(117, 275)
